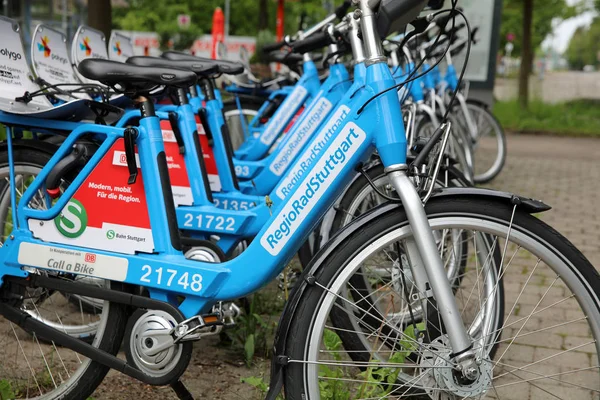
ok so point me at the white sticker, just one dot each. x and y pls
(324, 173)
(73, 261)
(315, 116)
(277, 124)
(309, 156)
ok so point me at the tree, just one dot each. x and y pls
(526, 54)
(100, 16)
(531, 21)
(247, 17)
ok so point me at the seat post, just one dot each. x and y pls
(208, 89)
(146, 106)
(182, 96)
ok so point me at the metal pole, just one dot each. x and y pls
(226, 19)
(64, 15)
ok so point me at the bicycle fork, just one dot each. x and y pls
(427, 255)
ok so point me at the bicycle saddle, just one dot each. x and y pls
(133, 77)
(199, 67)
(224, 67)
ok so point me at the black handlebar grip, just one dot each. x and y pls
(314, 42)
(272, 47)
(343, 9)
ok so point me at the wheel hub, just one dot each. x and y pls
(445, 382)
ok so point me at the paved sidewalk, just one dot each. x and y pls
(564, 173)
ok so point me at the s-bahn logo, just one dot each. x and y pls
(72, 220)
(43, 46)
(85, 45)
(117, 48)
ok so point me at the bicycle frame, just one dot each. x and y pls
(277, 241)
(261, 139)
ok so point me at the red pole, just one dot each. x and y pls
(280, 20)
(218, 30)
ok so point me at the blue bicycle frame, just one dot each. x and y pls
(267, 172)
(307, 87)
(379, 125)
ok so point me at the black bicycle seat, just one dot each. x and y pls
(199, 67)
(225, 67)
(134, 78)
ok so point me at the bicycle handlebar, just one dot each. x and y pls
(314, 42)
(274, 46)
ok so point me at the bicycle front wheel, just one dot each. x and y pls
(550, 321)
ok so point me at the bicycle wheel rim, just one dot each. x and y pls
(586, 298)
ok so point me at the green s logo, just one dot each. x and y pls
(72, 220)
(110, 234)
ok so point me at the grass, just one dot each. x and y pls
(574, 118)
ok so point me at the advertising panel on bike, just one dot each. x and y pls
(105, 213)
(119, 47)
(15, 76)
(50, 58)
(88, 43)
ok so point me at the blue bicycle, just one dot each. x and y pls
(348, 331)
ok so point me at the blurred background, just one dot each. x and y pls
(535, 61)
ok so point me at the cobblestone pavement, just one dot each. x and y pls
(564, 173)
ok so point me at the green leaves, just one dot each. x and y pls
(249, 349)
(545, 14)
(6, 391)
(160, 16)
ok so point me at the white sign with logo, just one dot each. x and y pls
(119, 47)
(50, 58)
(88, 43)
(15, 75)
(73, 261)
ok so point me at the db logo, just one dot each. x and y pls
(168, 135)
(123, 159)
(90, 258)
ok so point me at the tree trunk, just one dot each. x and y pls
(526, 54)
(100, 16)
(263, 15)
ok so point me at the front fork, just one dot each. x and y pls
(435, 273)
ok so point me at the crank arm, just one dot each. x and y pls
(32, 325)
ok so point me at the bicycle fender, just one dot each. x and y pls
(280, 359)
(39, 145)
